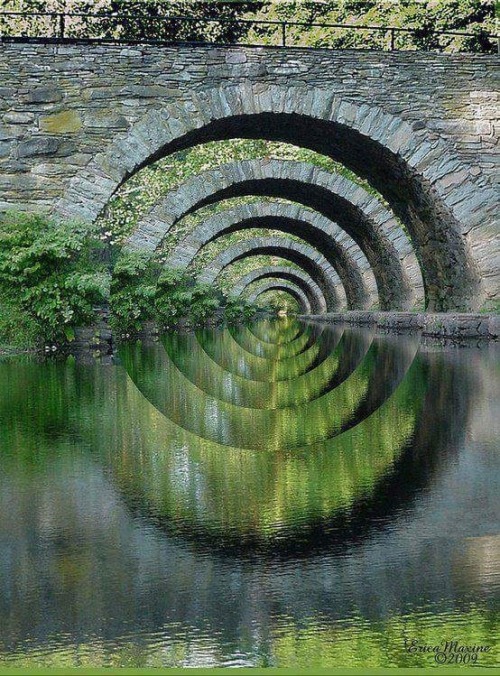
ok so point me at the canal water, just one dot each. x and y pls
(281, 494)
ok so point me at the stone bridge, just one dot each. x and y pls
(280, 274)
(288, 287)
(302, 255)
(76, 121)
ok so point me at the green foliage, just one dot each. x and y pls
(137, 19)
(143, 190)
(239, 309)
(50, 278)
(179, 296)
(143, 290)
(423, 17)
(275, 300)
(133, 290)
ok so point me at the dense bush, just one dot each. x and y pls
(133, 291)
(142, 290)
(238, 309)
(177, 296)
(50, 278)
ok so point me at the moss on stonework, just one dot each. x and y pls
(64, 122)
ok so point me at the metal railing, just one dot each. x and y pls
(123, 28)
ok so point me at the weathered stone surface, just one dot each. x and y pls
(358, 215)
(236, 57)
(432, 151)
(280, 273)
(36, 146)
(442, 325)
(44, 95)
(18, 118)
(280, 285)
(65, 122)
(299, 253)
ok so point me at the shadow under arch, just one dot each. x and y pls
(303, 255)
(339, 249)
(336, 199)
(298, 277)
(295, 292)
(405, 163)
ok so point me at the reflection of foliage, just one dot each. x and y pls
(50, 278)
(260, 493)
(311, 644)
(364, 643)
(188, 355)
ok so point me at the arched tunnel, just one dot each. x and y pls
(386, 228)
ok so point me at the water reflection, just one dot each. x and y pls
(176, 510)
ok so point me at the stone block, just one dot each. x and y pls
(18, 118)
(65, 122)
(236, 57)
(38, 145)
(44, 95)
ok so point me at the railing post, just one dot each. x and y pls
(283, 33)
(61, 25)
(392, 39)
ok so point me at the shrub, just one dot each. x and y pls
(133, 291)
(179, 296)
(50, 278)
(238, 309)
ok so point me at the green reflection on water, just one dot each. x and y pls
(59, 421)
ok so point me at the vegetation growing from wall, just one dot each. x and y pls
(143, 190)
(146, 188)
(230, 275)
(51, 281)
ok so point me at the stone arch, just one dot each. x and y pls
(358, 213)
(303, 255)
(339, 249)
(293, 290)
(280, 272)
(447, 210)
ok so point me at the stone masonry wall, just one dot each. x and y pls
(61, 104)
